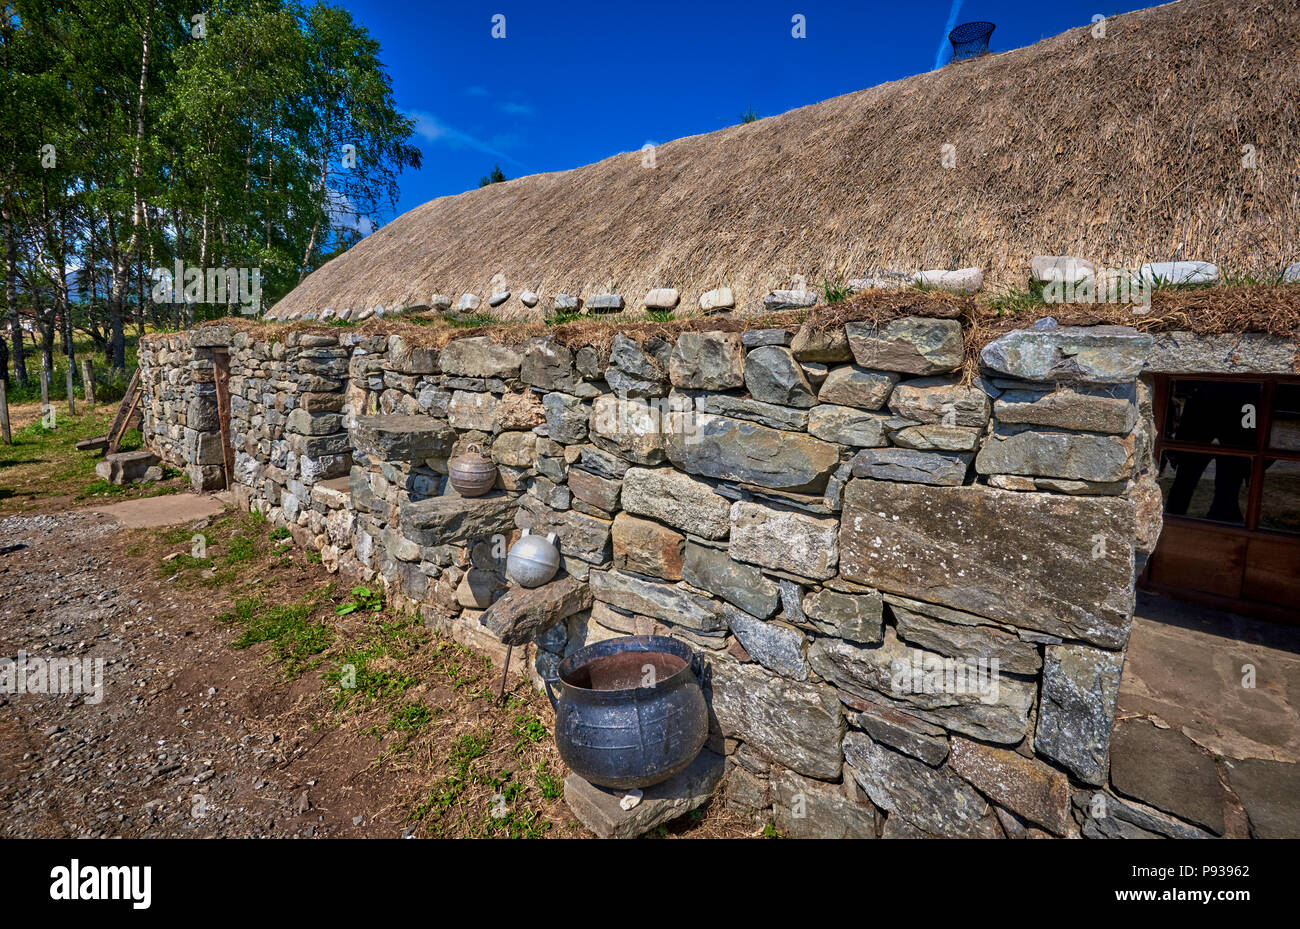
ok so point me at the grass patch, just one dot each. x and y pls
(296, 637)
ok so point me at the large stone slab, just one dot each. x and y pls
(1269, 791)
(962, 635)
(668, 602)
(1047, 562)
(1029, 788)
(549, 365)
(745, 586)
(480, 357)
(902, 731)
(1181, 352)
(403, 438)
(848, 425)
(1094, 354)
(1105, 409)
(786, 540)
(472, 409)
(1106, 816)
(1069, 455)
(677, 499)
(736, 450)
(957, 695)
(1165, 769)
(908, 345)
(126, 467)
(524, 613)
(453, 519)
(767, 414)
(932, 800)
(807, 809)
(912, 467)
(600, 809)
(855, 617)
(798, 725)
(1077, 708)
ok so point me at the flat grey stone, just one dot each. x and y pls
(1165, 769)
(667, 602)
(847, 425)
(1269, 791)
(524, 613)
(934, 802)
(766, 414)
(480, 357)
(599, 809)
(677, 499)
(773, 376)
(707, 361)
(901, 731)
(784, 539)
(736, 450)
(1092, 354)
(775, 645)
(850, 385)
(605, 303)
(1077, 708)
(912, 467)
(1063, 565)
(1179, 272)
(1069, 455)
(403, 438)
(804, 808)
(745, 586)
(452, 519)
(797, 725)
(909, 345)
(1105, 409)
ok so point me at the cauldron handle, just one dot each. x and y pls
(546, 682)
(697, 667)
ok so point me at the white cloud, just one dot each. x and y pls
(433, 130)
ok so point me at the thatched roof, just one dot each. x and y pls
(1123, 150)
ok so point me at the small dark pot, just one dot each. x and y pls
(612, 730)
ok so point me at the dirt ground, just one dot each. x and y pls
(224, 709)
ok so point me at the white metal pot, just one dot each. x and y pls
(533, 560)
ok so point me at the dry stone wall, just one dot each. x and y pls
(914, 592)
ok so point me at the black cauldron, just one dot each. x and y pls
(630, 712)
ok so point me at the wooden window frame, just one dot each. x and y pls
(1263, 428)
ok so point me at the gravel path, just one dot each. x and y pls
(189, 738)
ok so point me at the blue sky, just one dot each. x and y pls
(573, 83)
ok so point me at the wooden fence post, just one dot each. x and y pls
(72, 394)
(88, 381)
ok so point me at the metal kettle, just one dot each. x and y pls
(471, 474)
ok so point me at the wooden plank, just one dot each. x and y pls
(1199, 558)
(72, 393)
(1273, 572)
(123, 410)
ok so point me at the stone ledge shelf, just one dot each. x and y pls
(403, 438)
(455, 520)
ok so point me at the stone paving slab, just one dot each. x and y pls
(598, 808)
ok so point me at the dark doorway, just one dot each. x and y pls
(221, 366)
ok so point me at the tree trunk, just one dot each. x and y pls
(11, 293)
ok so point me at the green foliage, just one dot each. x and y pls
(294, 635)
(527, 729)
(836, 292)
(749, 116)
(496, 177)
(363, 598)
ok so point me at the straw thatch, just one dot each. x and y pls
(1121, 149)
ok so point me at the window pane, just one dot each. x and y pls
(1285, 432)
(1214, 412)
(1279, 508)
(1214, 487)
